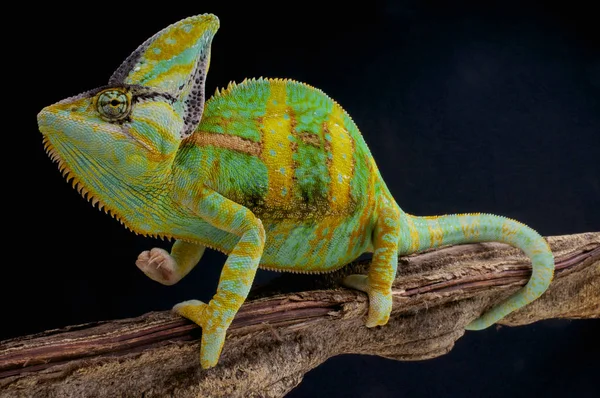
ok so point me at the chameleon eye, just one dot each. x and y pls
(113, 104)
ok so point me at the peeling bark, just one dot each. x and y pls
(280, 334)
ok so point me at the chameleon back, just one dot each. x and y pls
(283, 149)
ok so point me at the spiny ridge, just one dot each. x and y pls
(232, 87)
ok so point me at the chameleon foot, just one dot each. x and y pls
(380, 303)
(159, 266)
(213, 329)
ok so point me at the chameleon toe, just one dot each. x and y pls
(211, 347)
(357, 281)
(380, 308)
(192, 310)
(380, 304)
(158, 265)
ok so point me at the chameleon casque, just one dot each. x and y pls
(271, 172)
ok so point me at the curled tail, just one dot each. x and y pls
(420, 233)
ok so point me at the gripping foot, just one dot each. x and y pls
(380, 303)
(214, 328)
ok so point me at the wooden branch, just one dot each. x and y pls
(275, 339)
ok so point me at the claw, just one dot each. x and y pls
(154, 258)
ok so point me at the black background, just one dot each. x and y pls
(466, 107)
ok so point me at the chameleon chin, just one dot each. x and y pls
(272, 172)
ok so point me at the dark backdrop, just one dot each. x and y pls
(466, 107)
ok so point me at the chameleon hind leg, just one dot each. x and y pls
(236, 278)
(169, 269)
(382, 271)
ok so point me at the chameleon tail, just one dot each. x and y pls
(422, 233)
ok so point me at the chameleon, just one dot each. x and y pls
(272, 172)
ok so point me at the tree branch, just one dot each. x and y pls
(276, 338)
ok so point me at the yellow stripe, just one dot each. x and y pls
(340, 167)
(436, 234)
(470, 228)
(414, 235)
(509, 230)
(277, 148)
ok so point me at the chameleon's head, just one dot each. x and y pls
(130, 130)
(123, 129)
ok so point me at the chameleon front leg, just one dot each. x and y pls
(169, 269)
(236, 278)
(382, 271)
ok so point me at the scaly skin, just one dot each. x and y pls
(271, 172)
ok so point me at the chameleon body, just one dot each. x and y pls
(272, 172)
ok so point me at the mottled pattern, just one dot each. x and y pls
(272, 172)
(307, 146)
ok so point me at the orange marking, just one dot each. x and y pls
(323, 232)
(231, 142)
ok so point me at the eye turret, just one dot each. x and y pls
(113, 104)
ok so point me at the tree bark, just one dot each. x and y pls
(280, 334)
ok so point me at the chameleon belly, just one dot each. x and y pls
(314, 247)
